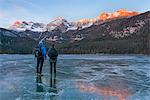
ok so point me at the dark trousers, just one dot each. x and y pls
(53, 79)
(40, 62)
(53, 66)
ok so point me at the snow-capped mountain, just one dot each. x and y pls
(63, 25)
(23, 26)
(120, 35)
(84, 23)
(118, 14)
(58, 24)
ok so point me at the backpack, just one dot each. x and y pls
(37, 52)
(53, 53)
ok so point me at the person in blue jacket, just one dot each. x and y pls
(40, 53)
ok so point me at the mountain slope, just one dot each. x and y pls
(123, 35)
(11, 42)
(23, 26)
(126, 35)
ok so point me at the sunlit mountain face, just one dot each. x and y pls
(63, 25)
(16, 24)
(117, 36)
(58, 23)
(23, 25)
(120, 13)
(105, 16)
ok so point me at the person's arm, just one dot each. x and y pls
(45, 57)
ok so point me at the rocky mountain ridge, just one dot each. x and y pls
(121, 35)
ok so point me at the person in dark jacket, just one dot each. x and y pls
(53, 54)
(40, 53)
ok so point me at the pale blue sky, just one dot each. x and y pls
(45, 10)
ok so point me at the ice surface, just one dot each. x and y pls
(79, 77)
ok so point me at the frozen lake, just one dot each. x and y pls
(79, 77)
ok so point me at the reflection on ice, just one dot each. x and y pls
(46, 87)
(105, 92)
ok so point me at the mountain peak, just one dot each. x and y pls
(23, 25)
(16, 24)
(58, 20)
(63, 25)
(121, 10)
(105, 16)
(58, 23)
(119, 13)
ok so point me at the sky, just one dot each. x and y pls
(46, 10)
